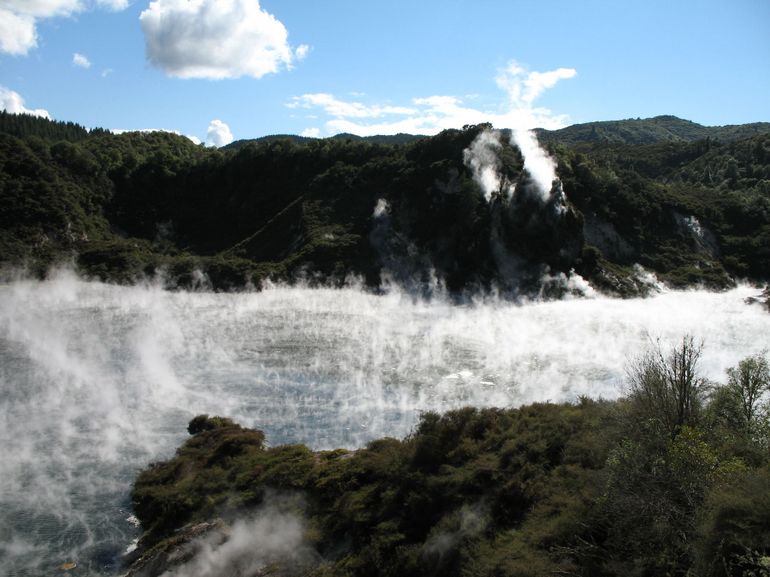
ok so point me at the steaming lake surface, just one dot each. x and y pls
(98, 380)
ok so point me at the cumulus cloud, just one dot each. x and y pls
(113, 4)
(432, 114)
(43, 8)
(18, 19)
(302, 51)
(311, 132)
(17, 32)
(12, 102)
(218, 134)
(80, 60)
(341, 109)
(216, 39)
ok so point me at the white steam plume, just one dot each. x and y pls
(537, 162)
(381, 209)
(271, 536)
(523, 88)
(482, 158)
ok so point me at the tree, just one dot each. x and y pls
(666, 390)
(747, 385)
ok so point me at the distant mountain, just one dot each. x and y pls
(399, 138)
(650, 131)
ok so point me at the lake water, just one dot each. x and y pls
(97, 380)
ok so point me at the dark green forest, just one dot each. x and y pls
(688, 202)
(671, 479)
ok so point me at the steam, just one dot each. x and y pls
(271, 536)
(381, 209)
(523, 88)
(537, 162)
(98, 380)
(539, 184)
(483, 159)
(469, 521)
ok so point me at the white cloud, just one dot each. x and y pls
(340, 109)
(12, 102)
(302, 51)
(43, 8)
(80, 60)
(113, 4)
(311, 132)
(18, 19)
(523, 87)
(432, 114)
(218, 134)
(17, 32)
(216, 39)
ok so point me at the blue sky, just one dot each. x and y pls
(321, 67)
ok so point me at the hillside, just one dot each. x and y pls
(622, 488)
(378, 139)
(407, 209)
(650, 131)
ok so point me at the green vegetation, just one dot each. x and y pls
(691, 204)
(670, 480)
(650, 131)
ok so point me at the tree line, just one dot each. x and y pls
(142, 204)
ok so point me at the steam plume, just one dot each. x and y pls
(523, 88)
(270, 536)
(483, 159)
(537, 162)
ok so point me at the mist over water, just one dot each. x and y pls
(98, 380)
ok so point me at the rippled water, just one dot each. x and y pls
(97, 380)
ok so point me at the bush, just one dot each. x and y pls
(205, 423)
(666, 391)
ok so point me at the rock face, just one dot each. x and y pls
(604, 236)
(267, 546)
(205, 513)
(762, 300)
(699, 236)
(175, 551)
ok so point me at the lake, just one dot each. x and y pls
(98, 380)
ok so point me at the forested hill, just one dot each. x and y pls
(650, 131)
(399, 138)
(695, 210)
(630, 131)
